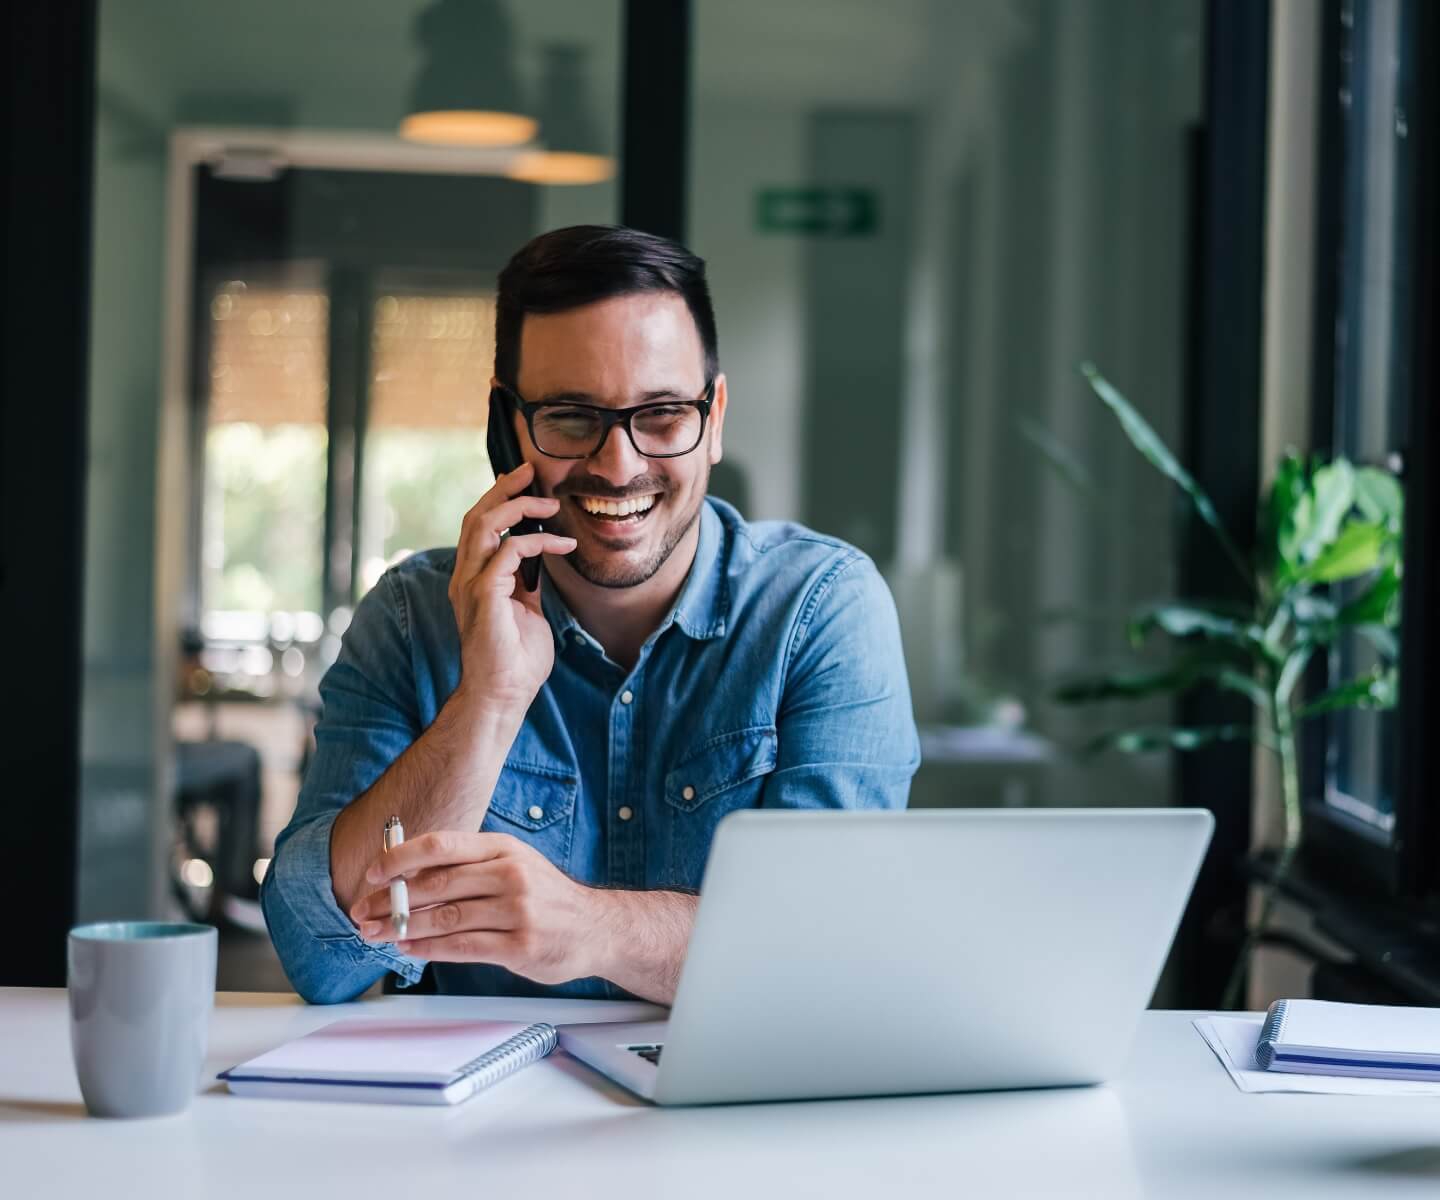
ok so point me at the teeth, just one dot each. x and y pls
(616, 508)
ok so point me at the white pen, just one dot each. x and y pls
(399, 893)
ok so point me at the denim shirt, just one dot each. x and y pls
(776, 681)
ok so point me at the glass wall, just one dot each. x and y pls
(920, 218)
(292, 341)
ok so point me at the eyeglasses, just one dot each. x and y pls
(666, 429)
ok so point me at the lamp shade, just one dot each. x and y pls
(466, 93)
(573, 151)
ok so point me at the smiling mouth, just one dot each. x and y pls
(629, 512)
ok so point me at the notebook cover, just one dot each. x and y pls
(411, 1053)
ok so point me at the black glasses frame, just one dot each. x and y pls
(611, 417)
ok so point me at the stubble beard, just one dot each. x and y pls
(610, 570)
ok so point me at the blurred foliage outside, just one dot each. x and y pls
(265, 507)
(418, 485)
(264, 517)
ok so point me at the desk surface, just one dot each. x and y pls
(1173, 1126)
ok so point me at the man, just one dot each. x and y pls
(560, 758)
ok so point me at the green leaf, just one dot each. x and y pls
(1178, 677)
(1355, 551)
(1334, 490)
(1379, 604)
(1309, 609)
(1288, 494)
(1312, 618)
(1189, 620)
(1379, 496)
(1059, 456)
(1121, 686)
(1378, 689)
(1149, 443)
(1162, 737)
(1383, 639)
(1237, 681)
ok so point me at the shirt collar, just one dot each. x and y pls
(704, 601)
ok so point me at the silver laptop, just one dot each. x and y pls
(878, 953)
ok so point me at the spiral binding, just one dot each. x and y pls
(1269, 1035)
(528, 1046)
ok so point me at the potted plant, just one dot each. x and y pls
(1327, 564)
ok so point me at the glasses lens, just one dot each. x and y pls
(568, 432)
(667, 429)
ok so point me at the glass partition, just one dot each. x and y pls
(291, 346)
(920, 218)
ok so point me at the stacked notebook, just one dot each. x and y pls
(394, 1062)
(1319, 1037)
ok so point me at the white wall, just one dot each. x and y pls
(757, 283)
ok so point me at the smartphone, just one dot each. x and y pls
(504, 450)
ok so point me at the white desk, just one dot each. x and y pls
(1174, 1125)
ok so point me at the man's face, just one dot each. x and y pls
(615, 354)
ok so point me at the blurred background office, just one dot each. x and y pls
(269, 248)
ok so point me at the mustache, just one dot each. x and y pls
(646, 485)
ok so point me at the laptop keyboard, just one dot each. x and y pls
(650, 1054)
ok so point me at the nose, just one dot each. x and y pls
(617, 461)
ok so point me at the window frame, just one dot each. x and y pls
(1343, 853)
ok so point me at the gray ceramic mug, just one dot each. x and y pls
(141, 994)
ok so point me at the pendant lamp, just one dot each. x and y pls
(466, 93)
(573, 152)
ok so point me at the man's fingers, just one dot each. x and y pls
(441, 920)
(512, 512)
(512, 483)
(472, 946)
(444, 847)
(436, 885)
(506, 561)
(482, 535)
(504, 489)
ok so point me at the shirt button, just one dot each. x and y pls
(626, 696)
(688, 793)
(536, 812)
(625, 813)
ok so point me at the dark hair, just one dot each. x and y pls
(583, 264)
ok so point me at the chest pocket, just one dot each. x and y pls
(536, 804)
(722, 774)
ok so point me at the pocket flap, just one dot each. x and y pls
(532, 796)
(721, 763)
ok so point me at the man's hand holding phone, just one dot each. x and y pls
(444, 780)
(506, 647)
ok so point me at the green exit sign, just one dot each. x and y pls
(816, 211)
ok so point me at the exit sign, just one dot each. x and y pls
(816, 211)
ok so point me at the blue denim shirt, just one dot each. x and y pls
(776, 681)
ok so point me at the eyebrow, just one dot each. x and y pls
(588, 398)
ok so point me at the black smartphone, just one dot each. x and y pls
(504, 450)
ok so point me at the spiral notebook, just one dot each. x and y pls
(1375, 1041)
(393, 1062)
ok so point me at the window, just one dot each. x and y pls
(264, 450)
(1365, 354)
(424, 460)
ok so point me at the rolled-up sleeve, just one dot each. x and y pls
(369, 718)
(845, 727)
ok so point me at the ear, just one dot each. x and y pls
(717, 420)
